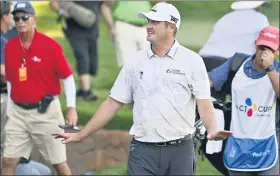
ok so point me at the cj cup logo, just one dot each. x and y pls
(250, 108)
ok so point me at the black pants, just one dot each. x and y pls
(148, 159)
(85, 51)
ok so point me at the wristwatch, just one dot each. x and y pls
(270, 68)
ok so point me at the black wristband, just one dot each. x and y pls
(270, 68)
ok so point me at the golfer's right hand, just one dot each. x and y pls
(67, 137)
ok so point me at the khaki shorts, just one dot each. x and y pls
(129, 38)
(26, 128)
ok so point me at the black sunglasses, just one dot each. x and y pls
(24, 18)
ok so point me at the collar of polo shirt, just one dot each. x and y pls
(171, 53)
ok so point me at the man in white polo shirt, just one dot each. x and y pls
(234, 32)
(165, 81)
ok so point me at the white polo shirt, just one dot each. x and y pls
(164, 90)
(237, 31)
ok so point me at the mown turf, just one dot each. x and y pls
(198, 20)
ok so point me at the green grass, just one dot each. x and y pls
(203, 168)
(198, 20)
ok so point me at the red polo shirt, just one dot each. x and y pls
(45, 65)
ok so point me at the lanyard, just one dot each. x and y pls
(25, 51)
(23, 62)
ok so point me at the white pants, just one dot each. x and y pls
(129, 38)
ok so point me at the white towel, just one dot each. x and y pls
(216, 146)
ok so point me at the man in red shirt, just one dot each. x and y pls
(34, 65)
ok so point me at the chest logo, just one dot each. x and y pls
(36, 59)
(175, 71)
(250, 108)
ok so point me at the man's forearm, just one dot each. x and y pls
(107, 14)
(207, 115)
(2, 70)
(274, 79)
(54, 5)
(104, 114)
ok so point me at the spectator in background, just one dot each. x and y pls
(6, 21)
(82, 32)
(6, 24)
(2, 66)
(130, 31)
(234, 32)
(9, 30)
(25, 167)
(34, 65)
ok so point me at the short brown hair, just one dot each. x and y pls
(175, 31)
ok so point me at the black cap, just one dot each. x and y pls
(23, 7)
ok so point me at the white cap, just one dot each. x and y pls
(240, 5)
(163, 12)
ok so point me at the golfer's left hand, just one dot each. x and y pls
(67, 137)
(219, 135)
